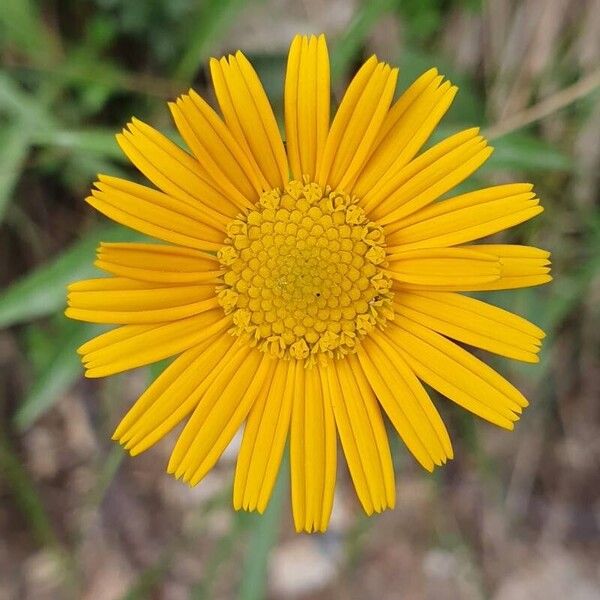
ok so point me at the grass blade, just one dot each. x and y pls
(95, 141)
(57, 376)
(31, 506)
(211, 21)
(20, 21)
(14, 147)
(42, 292)
(263, 537)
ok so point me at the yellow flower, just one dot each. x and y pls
(306, 287)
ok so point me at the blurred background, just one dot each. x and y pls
(514, 516)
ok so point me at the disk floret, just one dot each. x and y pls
(303, 273)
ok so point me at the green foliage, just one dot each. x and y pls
(263, 537)
(423, 17)
(60, 367)
(213, 18)
(75, 72)
(14, 147)
(21, 23)
(42, 292)
(526, 152)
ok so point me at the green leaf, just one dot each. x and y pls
(14, 147)
(23, 106)
(263, 537)
(27, 499)
(422, 17)
(212, 19)
(21, 22)
(525, 152)
(42, 292)
(107, 470)
(271, 70)
(27, 114)
(58, 375)
(467, 108)
(95, 141)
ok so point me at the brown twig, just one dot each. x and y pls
(546, 107)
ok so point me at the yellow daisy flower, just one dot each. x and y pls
(306, 287)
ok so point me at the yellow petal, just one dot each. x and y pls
(405, 401)
(433, 267)
(221, 160)
(139, 345)
(249, 116)
(150, 304)
(362, 434)
(170, 168)
(264, 440)
(464, 218)
(100, 284)
(356, 124)
(312, 453)
(173, 395)
(473, 322)
(158, 263)
(156, 214)
(307, 98)
(220, 412)
(520, 266)
(432, 182)
(456, 373)
(113, 336)
(427, 177)
(407, 126)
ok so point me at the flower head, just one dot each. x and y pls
(304, 288)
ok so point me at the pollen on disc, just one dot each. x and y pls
(302, 273)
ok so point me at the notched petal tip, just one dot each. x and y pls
(428, 467)
(445, 86)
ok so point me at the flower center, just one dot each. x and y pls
(303, 273)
